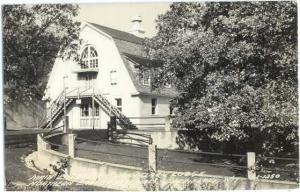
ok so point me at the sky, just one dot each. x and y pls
(119, 15)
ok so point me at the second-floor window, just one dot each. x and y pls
(146, 79)
(113, 77)
(168, 85)
(89, 58)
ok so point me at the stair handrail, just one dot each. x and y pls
(58, 98)
(53, 106)
(73, 89)
(54, 115)
(113, 109)
(85, 90)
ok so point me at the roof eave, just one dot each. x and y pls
(96, 29)
(153, 94)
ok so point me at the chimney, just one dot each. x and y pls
(137, 28)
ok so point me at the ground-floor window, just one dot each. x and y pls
(84, 110)
(96, 109)
(119, 103)
(153, 106)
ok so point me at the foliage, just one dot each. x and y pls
(59, 170)
(151, 181)
(235, 66)
(33, 36)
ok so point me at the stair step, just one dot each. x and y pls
(58, 108)
(124, 122)
(56, 111)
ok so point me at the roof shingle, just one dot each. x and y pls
(144, 89)
(119, 34)
(132, 50)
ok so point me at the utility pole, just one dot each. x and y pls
(65, 108)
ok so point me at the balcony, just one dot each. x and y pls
(86, 70)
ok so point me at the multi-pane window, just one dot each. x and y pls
(89, 116)
(146, 78)
(85, 58)
(84, 110)
(96, 109)
(168, 85)
(113, 77)
(89, 58)
(153, 106)
(119, 103)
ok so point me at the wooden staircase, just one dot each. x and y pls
(123, 121)
(56, 110)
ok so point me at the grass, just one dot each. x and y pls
(19, 177)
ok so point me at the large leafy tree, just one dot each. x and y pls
(235, 66)
(33, 36)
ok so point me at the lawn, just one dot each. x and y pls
(21, 178)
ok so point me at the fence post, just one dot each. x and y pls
(152, 156)
(5, 123)
(71, 144)
(113, 123)
(41, 144)
(39, 141)
(251, 165)
(109, 132)
(66, 124)
(167, 123)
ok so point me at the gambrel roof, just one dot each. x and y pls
(117, 34)
(132, 51)
(144, 89)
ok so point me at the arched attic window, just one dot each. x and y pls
(89, 57)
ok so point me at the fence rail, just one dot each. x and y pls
(209, 164)
(278, 158)
(153, 159)
(53, 129)
(92, 141)
(208, 153)
(107, 142)
(278, 170)
(110, 153)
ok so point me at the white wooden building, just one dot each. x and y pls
(107, 80)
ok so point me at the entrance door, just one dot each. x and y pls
(89, 118)
(89, 80)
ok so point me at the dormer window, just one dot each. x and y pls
(168, 85)
(89, 58)
(146, 79)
